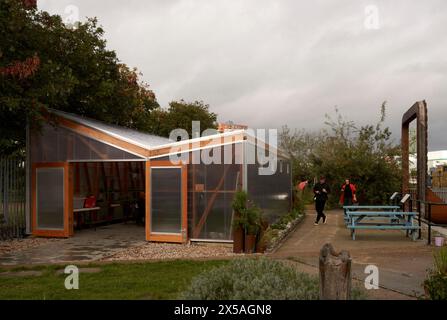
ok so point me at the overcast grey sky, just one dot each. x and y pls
(269, 63)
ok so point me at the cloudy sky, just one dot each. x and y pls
(267, 63)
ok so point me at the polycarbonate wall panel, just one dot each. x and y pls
(53, 144)
(166, 200)
(211, 189)
(272, 193)
(50, 198)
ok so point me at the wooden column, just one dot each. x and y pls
(419, 113)
(335, 274)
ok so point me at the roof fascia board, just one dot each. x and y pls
(101, 136)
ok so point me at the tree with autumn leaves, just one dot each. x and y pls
(46, 64)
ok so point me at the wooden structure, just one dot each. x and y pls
(186, 196)
(335, 274)
(418, 112)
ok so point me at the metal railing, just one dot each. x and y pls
(441, 193)
(427, 219)
(12, 197)
(416, 205)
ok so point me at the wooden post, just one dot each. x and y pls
(335, 274)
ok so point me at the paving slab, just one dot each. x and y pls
(86, 245)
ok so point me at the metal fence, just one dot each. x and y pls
(441, 193)
(12, 197)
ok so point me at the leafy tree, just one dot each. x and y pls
(300, 146)
(45, 64)
(343, 150)
(180, 114)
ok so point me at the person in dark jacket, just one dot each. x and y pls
(321, 191)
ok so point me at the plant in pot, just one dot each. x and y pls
(252, 227)
(239, 221)
(264, 238)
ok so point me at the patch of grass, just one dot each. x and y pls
(149, 280)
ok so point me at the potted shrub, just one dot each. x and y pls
(238, 233)
(250, 239)
(239, 221)
(264, 237)
(252, 228)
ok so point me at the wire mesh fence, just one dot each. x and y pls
(12, 197)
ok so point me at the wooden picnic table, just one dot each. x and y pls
(380, 220)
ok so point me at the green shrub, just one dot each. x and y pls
(253, 279)
(436, 282)
(358, 293)
(440, 259)
(436, 287)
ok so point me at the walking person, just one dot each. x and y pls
(348, 191)
(321, 191)
(302, 185)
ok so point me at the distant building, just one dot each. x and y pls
(437, 158)
(230, 126)
(439, 176)
(434, 159)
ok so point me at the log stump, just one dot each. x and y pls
(335, 274)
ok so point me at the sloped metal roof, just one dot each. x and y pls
(144, 140)
(135, 137)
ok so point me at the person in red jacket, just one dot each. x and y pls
(348, 191)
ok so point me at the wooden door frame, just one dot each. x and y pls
(68, 200)
(168, 237)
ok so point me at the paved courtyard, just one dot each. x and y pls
(402, 262)
(117, 242)
(86, 245)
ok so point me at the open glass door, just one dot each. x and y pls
(166, 202)
(51, 199)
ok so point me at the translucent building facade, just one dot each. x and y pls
(185, 189)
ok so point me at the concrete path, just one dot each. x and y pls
(86, 245)
(402, 262)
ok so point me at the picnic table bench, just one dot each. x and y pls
(358, 207)
(383, 218)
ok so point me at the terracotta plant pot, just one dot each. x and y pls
(250, 243)
(238, 240)
(260, 247)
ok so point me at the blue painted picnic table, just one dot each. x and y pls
(379, 218)
(357, 207)
(372, 207)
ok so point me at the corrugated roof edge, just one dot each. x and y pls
(170, 143)
(127, 138)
